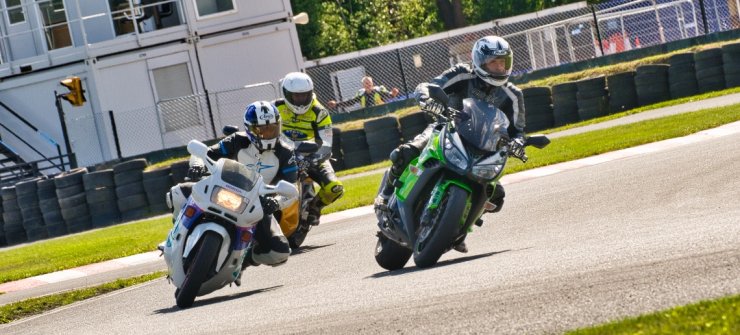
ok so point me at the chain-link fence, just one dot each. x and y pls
(540, 40)
(170, 123)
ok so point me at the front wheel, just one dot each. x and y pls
(299, 235)
(389, 254)
(199, 269)
(437, 234)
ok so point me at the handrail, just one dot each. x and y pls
(45, 136)
(47, 159)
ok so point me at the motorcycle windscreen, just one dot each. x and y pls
(481, 124)
(239, 175)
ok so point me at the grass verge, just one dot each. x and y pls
(721, 316)
(34, 306)
(82, 249)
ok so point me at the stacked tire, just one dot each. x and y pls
(382, 137)
(413, 124)
(591, 97)
(130, 194)
(564, 104)
(538, 108)
(179, 170)
(13, 226)
(682, 75)
(709, 70)
(731, 64)
(355, 148)
(73, 200)
(651, 83)
(46, 191)
(28, 202)
(336, 150)
(156, 185)
(622, 94)
(100, 193)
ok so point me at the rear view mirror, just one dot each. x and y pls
(229, 129)
(538, 141)
(438, 94)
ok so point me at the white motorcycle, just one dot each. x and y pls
(205, 249)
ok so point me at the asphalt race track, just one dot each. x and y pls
(568, 250)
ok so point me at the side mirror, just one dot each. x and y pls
(198, 149)
(283, 188)
(438, 94)
(537, 141)
(229, 129)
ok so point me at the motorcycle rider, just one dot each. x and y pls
(259, 147)
(305, 119)
(486, 79)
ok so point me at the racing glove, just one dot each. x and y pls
(270, 205)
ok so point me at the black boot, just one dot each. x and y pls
(314, 211)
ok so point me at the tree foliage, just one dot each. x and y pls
(340, 26)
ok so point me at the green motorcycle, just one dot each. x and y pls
(446, 190)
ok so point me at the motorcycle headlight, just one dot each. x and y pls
(486, 171)
(454, 156)
(228, 199)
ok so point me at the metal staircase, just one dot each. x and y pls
(14, 168)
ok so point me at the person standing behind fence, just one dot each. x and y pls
(369, 95)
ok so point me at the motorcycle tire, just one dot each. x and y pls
(299, 235)
(390, 255)
(199, 269)
(445, 227)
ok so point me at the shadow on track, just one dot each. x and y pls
(308, 248)
(440, 264)
(215, 300)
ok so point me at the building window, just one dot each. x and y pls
(55, 24)
(210, 7)
(15, 11)
(150, 15)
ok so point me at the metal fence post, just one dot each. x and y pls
(598, 32)
(115, 133)
(703, 16)
(403, 74)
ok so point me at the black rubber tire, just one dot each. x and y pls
(79, 224)
(179, 170)
(127, 190)
(133, 202)
(356, 158)
(427, 251)
(73, 201)
(69, 178)
(26, 187)
(390, 255)
(56, 230)
(299, 236)
(101, 195)
(536, 91)
(75, 212)
(681, 58)
(128, 177)
(707, 54)
(199, 270)
(135, 164)
(31, 213)
(382, 123)
(381, 151)
(8, 193)
(97, 179)
(69, 191)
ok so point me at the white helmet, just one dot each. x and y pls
(298, 91)
(485, 51)
(262, 122)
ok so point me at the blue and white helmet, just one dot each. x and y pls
(262, 123)
(485, 52)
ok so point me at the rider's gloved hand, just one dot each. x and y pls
(195, 172)
(517, 148)
(269, 205)
(431, 105)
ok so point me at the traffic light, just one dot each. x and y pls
(76, 95)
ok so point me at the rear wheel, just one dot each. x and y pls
(437, 233)
(390, 255)
(202, 265)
